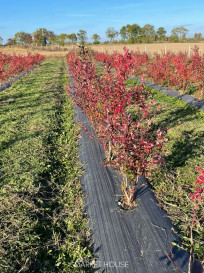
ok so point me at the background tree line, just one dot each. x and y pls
(128, 34)
(147, 34)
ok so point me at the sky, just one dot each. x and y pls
(64, 16)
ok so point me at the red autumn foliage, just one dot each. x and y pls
(198, 193)
(11, 65)
(197, 196)
(131, 144)
(175, 71)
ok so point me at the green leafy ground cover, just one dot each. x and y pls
(42, 224)
(174, 182)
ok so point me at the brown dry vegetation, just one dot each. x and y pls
(150, 49)
(24, 51)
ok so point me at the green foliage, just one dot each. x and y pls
(22, 38)
(28, 39)
(42, 224)
(62, 39)
(96, 38)
(50, 36)
(53, 39)
(82, 36)
(123, 33)
(133, 32)
(148, 33)
(179, 33)
(72, 37)
(111, 33)
(198, 36)
(10, 42)
(1, 40)
(19, 38)
(161, 33)
(130, 33)
(42, 37)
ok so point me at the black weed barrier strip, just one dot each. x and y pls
(124, 241)
(192, 101)
(14, 79)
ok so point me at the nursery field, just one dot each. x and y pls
(135, 134)
(44, 225)
(175, 180)
(151, 49)
(12, 65)
(176, 71)
(24, 51)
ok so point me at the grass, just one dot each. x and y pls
(174, 182)
(42, 224)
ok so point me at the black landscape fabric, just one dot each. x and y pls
(174, 94)
(14, 79)
(124, 241)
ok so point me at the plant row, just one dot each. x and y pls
(131, 144)
(42, 223)
(175, 71)
(11, 65)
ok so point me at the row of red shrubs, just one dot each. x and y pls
(11, 65)
(175, 71)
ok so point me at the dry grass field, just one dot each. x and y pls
(24, 51)
(150, 49)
